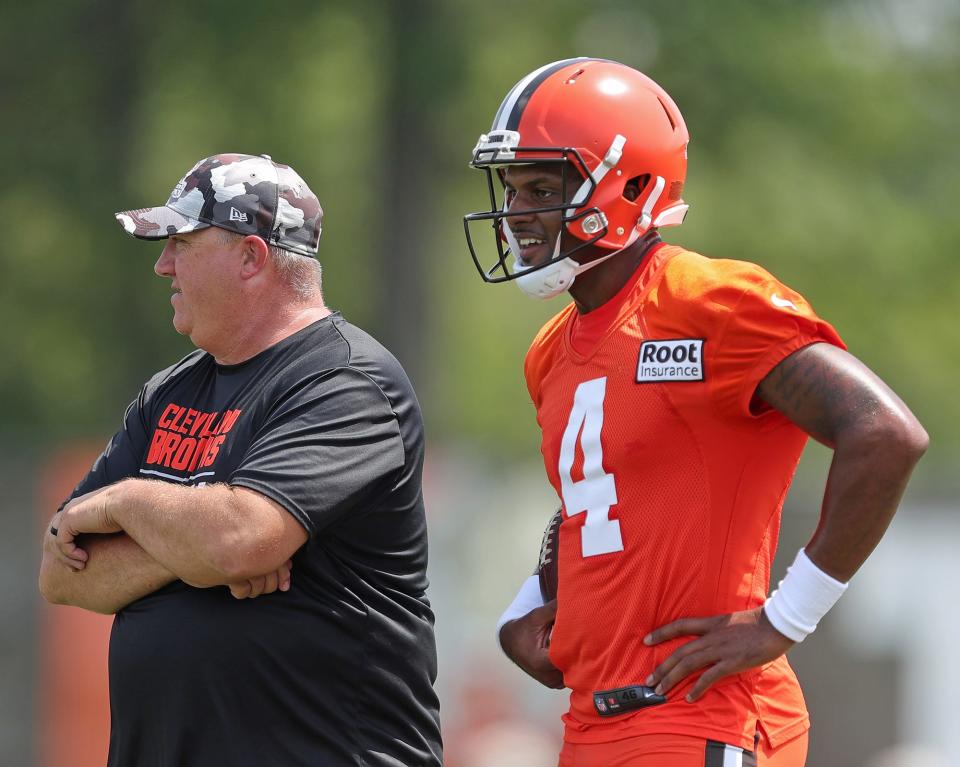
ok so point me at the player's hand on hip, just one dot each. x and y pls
(727, 644)
(88, 513)
(278, 580)
(526, 641)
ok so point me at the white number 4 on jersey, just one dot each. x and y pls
(597, 491)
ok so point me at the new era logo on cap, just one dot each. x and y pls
(242, 193)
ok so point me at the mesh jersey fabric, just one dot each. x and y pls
(700, 475)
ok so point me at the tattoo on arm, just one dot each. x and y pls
(823, 390)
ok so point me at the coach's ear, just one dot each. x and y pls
(253, 257)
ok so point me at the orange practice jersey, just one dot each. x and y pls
(672, 482)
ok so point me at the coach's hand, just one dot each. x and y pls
(279, 580)
(727, 645)
(526, 642)
(88, 513)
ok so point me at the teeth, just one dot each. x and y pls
(525, 241)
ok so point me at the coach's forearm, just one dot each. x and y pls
(117, 573)
(208, 536)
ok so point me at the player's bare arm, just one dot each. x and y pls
(876, 441)
(117, 573)
(207, 536)
(526, 642)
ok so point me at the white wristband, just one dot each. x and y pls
(803, 597)
(527, 599)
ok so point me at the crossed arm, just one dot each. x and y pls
(206, 536)
(876, 440)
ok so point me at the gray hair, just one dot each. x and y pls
(301, 274)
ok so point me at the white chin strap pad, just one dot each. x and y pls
(554, 279)
(550, 281)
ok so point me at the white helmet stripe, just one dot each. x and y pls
(505, 118)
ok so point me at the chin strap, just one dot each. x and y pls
(557, 277)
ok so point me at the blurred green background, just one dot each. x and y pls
(823, 146)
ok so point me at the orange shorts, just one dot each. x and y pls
(680, 751)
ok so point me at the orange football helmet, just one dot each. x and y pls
(611, 124)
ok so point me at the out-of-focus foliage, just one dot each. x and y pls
(823, 147)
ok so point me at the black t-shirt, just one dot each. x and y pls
(337, 671)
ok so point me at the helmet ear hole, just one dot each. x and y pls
(635, 186)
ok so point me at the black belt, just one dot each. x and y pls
(624, 699)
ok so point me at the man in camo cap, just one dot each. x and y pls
(240, 193)
(281, 459)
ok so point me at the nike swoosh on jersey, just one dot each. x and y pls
(783, 303)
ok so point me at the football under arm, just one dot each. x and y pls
(528, 598)
(118, 572)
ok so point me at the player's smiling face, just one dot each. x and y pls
(200, 265)
(527, 188)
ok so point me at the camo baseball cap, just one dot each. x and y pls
(241, 193)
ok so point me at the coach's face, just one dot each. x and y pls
(202, 267)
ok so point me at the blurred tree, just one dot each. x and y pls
(421, 66)
(822, 147)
